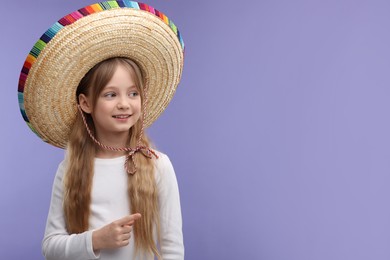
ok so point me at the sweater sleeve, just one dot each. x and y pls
(172, 247)
(57, 243)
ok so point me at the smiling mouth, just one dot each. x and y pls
(121, 116)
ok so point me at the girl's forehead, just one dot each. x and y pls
(122, 78)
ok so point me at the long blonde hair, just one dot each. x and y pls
(142, 189)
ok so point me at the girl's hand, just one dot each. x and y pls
(115, 234)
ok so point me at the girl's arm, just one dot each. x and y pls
(57, 243)
(172, 247)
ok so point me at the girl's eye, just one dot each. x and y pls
(133, 94)
(110, 95)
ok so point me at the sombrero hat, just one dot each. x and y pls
(80, 40)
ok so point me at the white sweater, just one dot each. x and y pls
(109, 203)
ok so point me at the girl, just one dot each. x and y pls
(113, 196)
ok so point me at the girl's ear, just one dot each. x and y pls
(85, 104)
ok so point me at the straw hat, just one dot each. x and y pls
(78, 41)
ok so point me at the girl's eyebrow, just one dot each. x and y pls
(115, 86)
(109, 87)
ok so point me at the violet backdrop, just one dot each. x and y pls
(279, 131)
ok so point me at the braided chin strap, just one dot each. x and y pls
(146, 151)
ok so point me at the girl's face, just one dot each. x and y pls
(118, 106)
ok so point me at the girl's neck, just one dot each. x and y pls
(114, 141)
(107, 154)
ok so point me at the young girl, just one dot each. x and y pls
(113, 196)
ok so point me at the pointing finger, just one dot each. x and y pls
(128, 220)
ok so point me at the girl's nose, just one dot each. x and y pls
(123, 104)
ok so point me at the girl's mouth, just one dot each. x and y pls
(121, 116)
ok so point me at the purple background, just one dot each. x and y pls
(279, 131)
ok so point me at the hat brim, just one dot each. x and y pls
(48, 94)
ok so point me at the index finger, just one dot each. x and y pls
(129, 219)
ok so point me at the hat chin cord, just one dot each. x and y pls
(146, 151)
